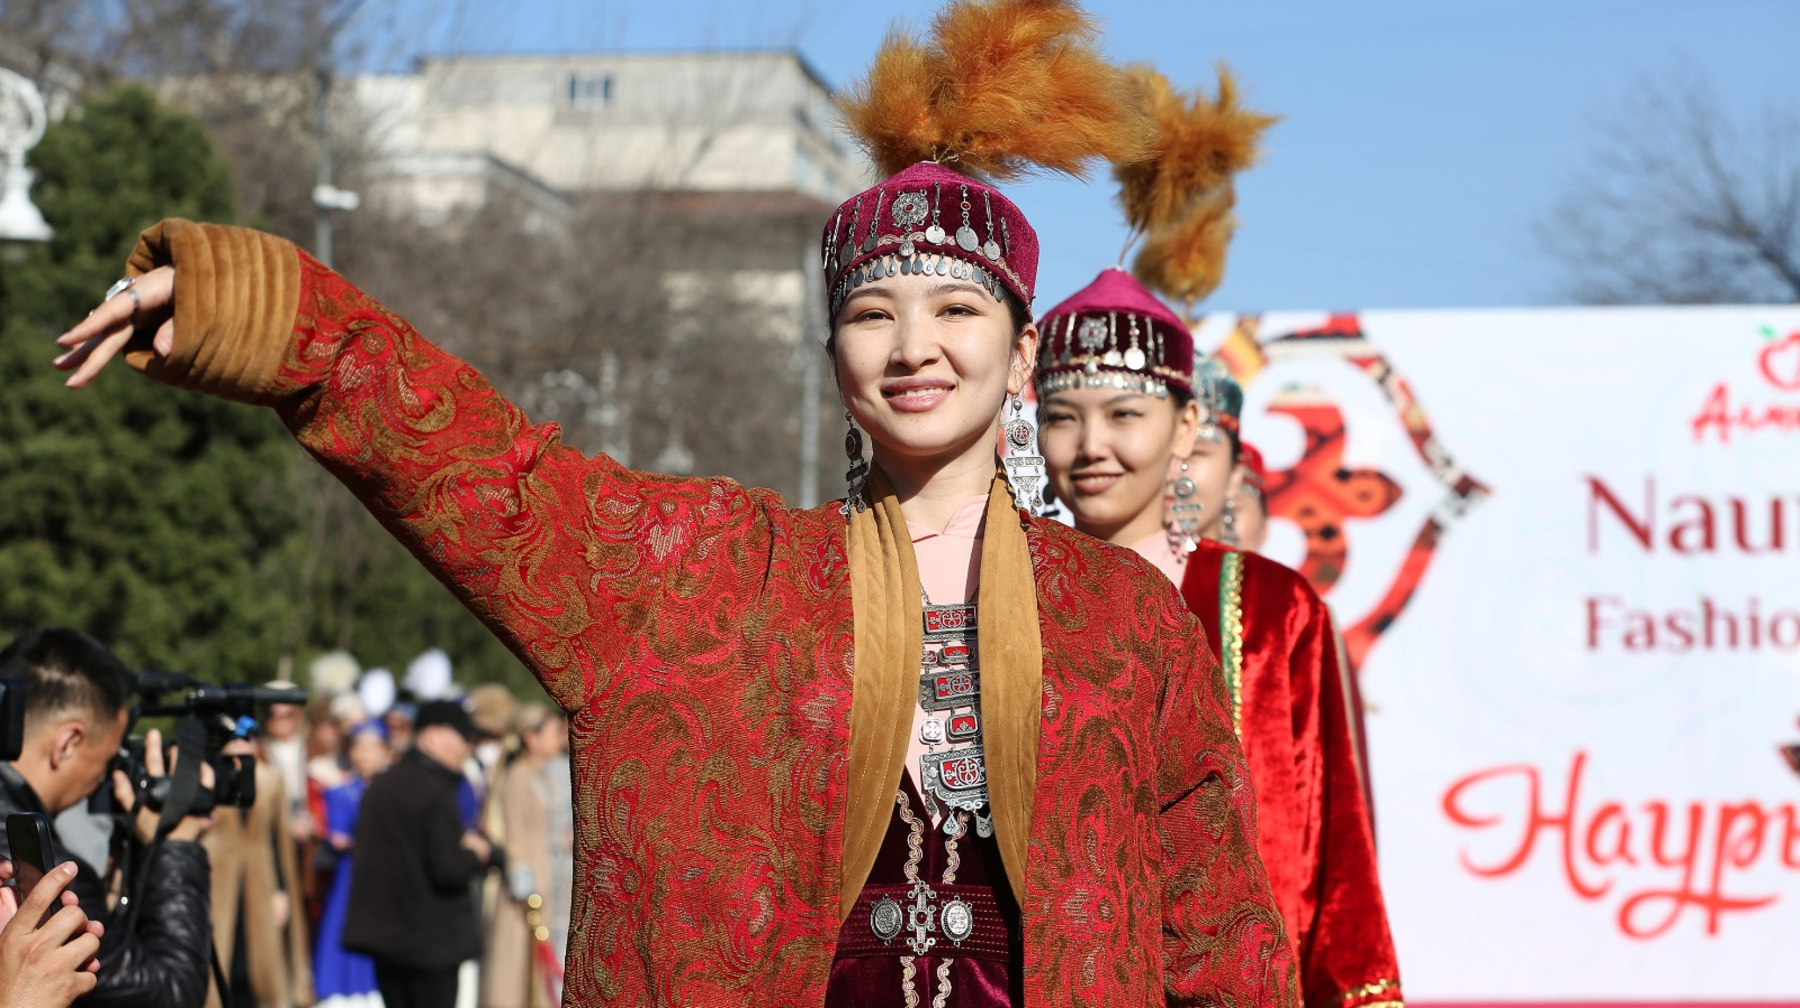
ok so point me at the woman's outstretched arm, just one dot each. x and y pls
(567, 558)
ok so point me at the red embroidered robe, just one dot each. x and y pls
(699, 635)
(1292, 705)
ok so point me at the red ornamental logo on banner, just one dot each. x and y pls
(1320, 495)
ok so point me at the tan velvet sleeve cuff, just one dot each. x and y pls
(236, 295)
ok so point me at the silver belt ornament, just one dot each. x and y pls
(923, 917)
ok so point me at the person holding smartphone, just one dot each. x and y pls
(47, 959)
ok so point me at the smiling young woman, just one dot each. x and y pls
(1141, 440)
(914, 748)
(1110, 433)
(922, 362)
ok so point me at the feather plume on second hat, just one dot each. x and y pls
(1179, 199)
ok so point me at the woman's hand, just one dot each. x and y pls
(49, 963)
(147, 304)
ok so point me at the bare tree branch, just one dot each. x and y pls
(1683, 202)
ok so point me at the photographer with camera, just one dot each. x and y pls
(76, 712)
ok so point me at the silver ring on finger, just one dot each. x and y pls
(124, 285)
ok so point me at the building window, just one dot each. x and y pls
(590, 91)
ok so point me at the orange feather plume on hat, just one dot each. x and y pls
(1180, 198)
(1002, 88)
(1200, 144)
(891, 111)
(1187, 261)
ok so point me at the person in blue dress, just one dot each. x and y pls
(344, 979)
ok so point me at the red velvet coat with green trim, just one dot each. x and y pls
(1291, 704)
(699, 635)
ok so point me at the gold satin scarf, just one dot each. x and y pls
(889, 637)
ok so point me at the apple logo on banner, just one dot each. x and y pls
(1780, 361)
(1723, 414)
(1320, 494)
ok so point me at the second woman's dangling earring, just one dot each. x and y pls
(1184, 515)
(1228, 523)
(1024, 466)
(858, 475)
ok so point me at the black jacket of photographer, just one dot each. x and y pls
(411, 899)
(164, 961)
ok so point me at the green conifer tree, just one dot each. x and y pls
(151, 520)
(187, 532)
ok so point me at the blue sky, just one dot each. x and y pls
(1419, 142)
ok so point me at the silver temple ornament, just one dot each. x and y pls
(992, 248)
(935, 234)
(965, 235)
(1134, 357)
(1090, 333)
(847, 251)
(874, 222)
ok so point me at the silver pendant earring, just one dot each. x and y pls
(858, 474)
(1024, 466)
(1228, 523)
(1184, 515)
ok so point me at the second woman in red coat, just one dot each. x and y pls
(1142, 444)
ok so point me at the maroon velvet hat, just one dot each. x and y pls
(1256, 475)
(1114, 333)
(929, 219)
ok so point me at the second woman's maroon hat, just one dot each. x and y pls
(1114, 333)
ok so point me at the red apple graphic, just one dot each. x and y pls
(1780, 362)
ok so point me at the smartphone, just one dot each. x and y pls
(28, 834)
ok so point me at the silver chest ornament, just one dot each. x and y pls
(950, 696)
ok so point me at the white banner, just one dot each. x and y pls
(1564, 546)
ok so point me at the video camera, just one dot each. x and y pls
(208, 718)
(223, 712)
